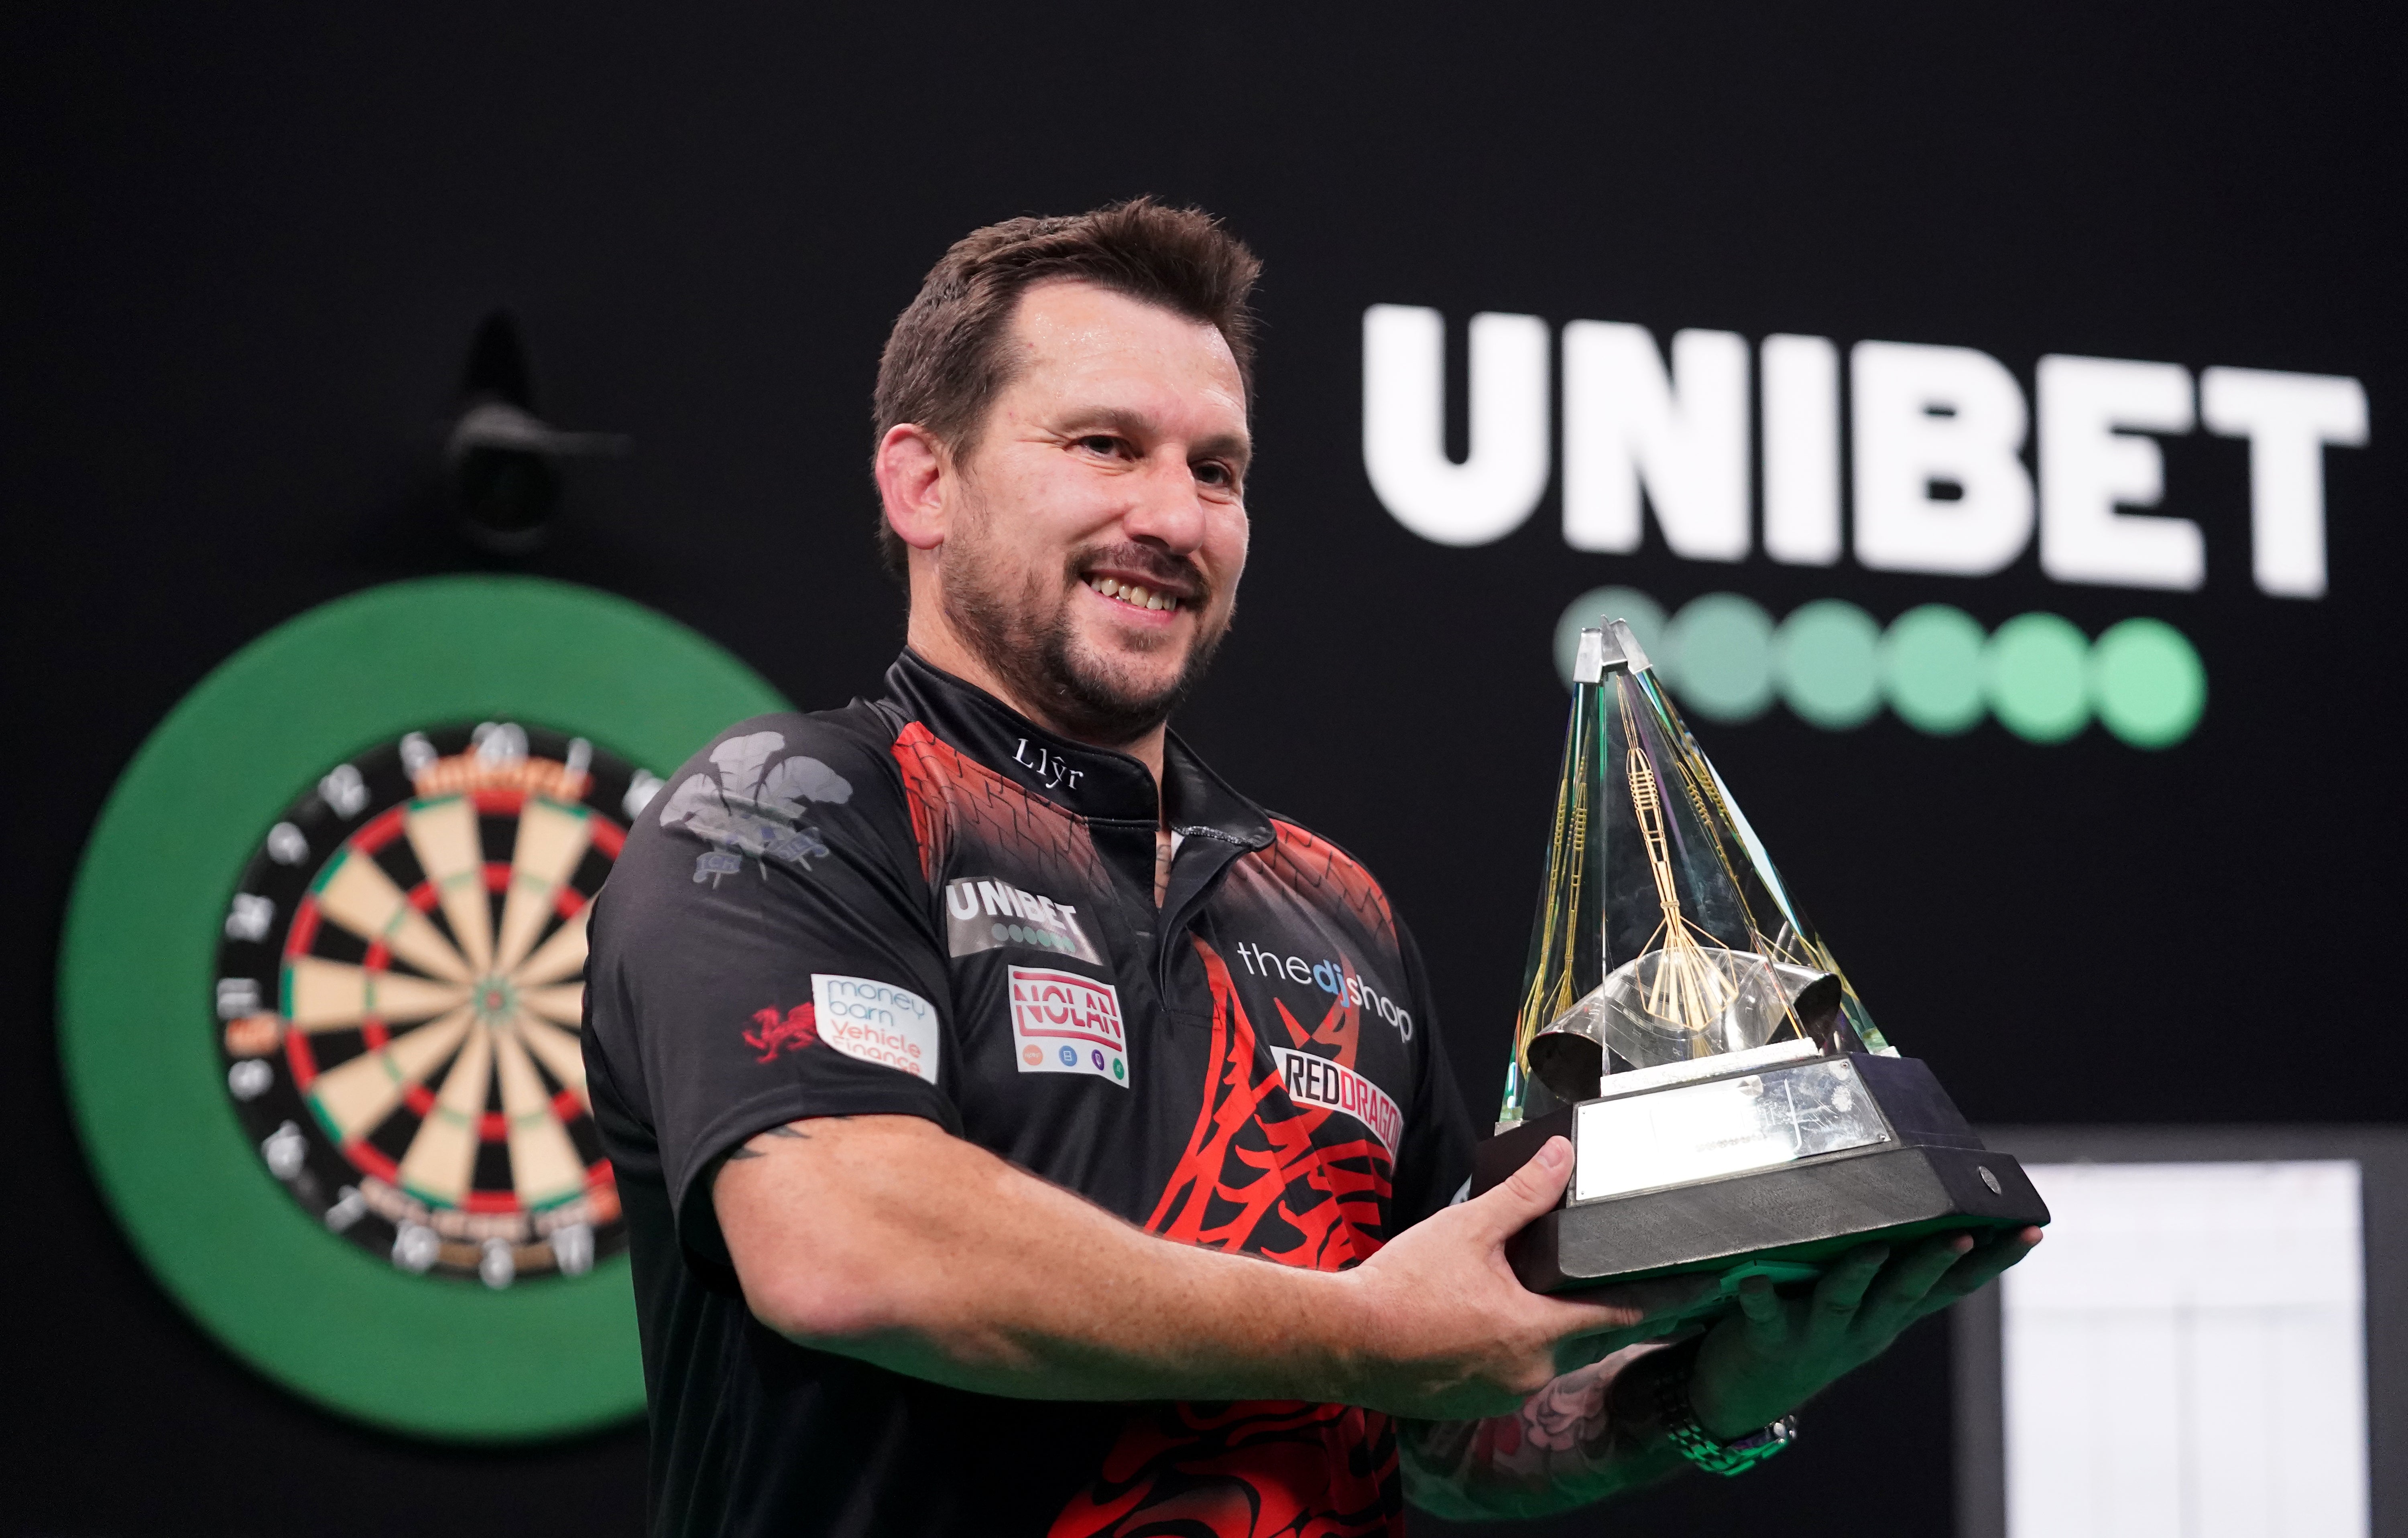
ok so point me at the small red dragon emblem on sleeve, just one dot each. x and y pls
(797, 1030)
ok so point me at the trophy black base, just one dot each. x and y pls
(1930, 1176)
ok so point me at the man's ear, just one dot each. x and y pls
(915, 482)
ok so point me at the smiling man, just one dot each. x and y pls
(1020, 1131)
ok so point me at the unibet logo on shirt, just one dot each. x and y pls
(877, 1022)
(1063, 1023)
(984, 915)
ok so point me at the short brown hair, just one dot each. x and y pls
(945, 359)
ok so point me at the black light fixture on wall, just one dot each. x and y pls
(504, 462)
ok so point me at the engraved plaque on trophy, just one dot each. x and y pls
(1731, 1106)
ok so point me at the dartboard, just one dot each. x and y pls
(319, 994)
(399, 987)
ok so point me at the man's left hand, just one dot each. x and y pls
(1775, 1353)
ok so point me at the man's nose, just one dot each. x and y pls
(1168, 507)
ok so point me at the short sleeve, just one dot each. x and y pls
(1435, 1159)
(763, 952)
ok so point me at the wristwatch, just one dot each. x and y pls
(1724, 1457)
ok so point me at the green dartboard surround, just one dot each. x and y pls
(428, 1356)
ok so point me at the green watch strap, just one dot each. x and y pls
(1691, 1440)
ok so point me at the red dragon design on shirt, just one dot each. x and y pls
(796, 1031)
(1252, 1178)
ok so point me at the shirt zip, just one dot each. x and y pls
(1228, 851)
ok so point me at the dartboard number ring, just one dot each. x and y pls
(398, 996)
(395, 807)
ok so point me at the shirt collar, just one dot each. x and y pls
(1095, 782)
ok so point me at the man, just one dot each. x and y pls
(964, 1055)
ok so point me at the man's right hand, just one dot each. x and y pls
(1451, 1333)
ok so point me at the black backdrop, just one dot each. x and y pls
(246, 253)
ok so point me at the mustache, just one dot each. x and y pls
(1158, 569)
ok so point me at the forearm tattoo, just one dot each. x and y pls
(749, 1151)
(752, 1149)
(1584, 1436)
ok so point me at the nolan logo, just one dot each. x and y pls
(1333, 1087)
(984, 915)
(1051, 769)
(1063, 1023)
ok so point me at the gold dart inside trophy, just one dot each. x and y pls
(1731, 1106)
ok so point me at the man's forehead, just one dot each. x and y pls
(1076, 333)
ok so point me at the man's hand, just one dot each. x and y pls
(1449, 1272)
(1775, 1353)
(1595, 1431)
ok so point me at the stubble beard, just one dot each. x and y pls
(1029, 640)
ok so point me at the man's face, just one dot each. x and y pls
(1093, 558)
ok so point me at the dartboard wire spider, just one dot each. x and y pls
(482, 1006)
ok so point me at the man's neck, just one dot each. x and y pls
(939, 647)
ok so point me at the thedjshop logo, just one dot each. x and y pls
(1337, 978)
(1937, 483)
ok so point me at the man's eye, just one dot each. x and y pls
(1100, 443)
(1213, 473)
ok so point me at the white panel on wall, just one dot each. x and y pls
(2186, 1356)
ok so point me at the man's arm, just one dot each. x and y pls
(888, 1240)
(1597, 1430)
(1591, 1433)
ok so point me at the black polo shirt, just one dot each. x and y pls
(926, 905)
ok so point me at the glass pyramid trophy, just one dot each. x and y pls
(1731, 1105)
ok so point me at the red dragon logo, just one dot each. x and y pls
(798, 1030)
(1252, 1178)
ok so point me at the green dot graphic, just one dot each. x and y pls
(2148, 683)
(1827, 659)
(2037, 673)
(1931, 669)
(1644, 616)
(1721, 656)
